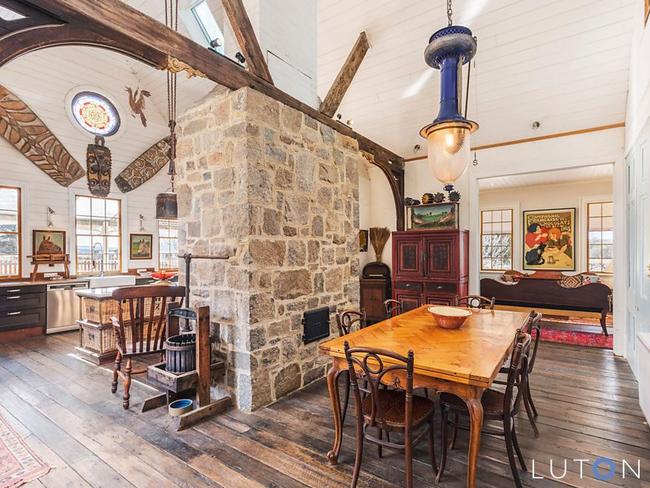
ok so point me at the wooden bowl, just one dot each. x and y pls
(449, 317)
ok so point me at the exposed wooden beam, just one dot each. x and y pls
(346, 74)
(246, 38)
(26, 132)
(110, 24)
(144, 167)
(537, 138)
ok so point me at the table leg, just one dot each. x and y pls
(476, 426)
(332, 387)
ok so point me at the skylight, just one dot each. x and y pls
(9, 15)
(208, 25)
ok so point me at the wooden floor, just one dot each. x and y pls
(587, 401)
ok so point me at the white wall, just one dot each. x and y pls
(39, 191)
(573, 194)
(376, 209)
(638, 99)
(546, 155)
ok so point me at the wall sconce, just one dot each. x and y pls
(50, 212)
(141, 217)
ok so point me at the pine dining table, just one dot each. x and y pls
(463, 362)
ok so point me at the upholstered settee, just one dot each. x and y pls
(550, 290)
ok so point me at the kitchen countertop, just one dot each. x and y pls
(102, 293)
(6, 284)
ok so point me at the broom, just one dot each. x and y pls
(378, 238)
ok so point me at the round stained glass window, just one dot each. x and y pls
(95, 113)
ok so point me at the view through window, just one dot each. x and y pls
(496, 240)
(168, 244)
(98, 234)
(10, 241)
(600, 237)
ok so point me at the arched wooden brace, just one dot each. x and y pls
(50, 31)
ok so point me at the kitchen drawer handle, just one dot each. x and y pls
(440, 287)
(14, 290)
(14, 313)
(13, 297)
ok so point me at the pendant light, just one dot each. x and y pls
(448, 136)
(166, 203)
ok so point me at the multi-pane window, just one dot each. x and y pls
(98, 234)
(168, 244)
(496, 240)
(9, 232)
(600, 237)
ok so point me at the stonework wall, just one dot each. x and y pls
(278, 191)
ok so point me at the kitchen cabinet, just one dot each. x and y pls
(22, 306)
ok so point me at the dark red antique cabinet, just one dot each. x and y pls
(429, 267)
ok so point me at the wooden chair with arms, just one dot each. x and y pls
(393, 409)
(140, 327)
(476, 302)
(498, 406)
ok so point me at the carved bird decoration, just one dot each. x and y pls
(137, 103)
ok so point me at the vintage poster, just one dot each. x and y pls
(549, 239)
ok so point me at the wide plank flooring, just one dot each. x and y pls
(587, 400)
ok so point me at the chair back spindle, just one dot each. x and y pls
(369, 369)
(476, 302)
(517, 372)
(392, 307)
(142, 316)
(347, 320)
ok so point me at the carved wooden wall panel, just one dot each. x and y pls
(144, 167)
(27, 133)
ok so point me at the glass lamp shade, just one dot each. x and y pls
(166, 206)
(449, 151)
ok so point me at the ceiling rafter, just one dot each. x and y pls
(344, 78)
(246, 38)
(22, 128)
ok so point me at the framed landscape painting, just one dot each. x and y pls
(48, 242)
(437, 216)
(141, 246)
(549, 239)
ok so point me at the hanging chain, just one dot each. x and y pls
(171, 21)
(449, 12)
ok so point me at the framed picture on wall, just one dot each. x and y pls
(363, 240)
(140, 246)
(435, 216)
(48, 242)
(549, 239)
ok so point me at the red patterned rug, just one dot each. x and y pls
(578, 338)
(18, 463)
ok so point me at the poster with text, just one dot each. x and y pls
(549, 239)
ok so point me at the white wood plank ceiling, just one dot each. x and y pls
(563, 63)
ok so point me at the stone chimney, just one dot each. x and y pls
(278, 191)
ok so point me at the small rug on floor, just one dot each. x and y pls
(18, 463)
(570, 320)
(578, 338)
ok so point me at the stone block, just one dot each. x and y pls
(292, 284)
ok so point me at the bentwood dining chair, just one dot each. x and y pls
(381, 410)
(140, 327)
(346, 322)
(498, 406)
(476, 302)
(392, 307)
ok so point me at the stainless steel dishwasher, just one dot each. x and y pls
(63, 306)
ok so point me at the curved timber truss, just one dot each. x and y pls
(112, 24)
